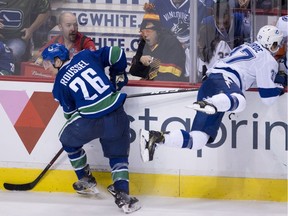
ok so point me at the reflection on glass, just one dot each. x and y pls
(220, 32)
(222, 25)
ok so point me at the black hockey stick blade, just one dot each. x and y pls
(162, 92)
(31, 185)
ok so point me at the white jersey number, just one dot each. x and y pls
(239, 54)
(95, 81)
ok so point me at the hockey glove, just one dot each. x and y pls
(281, 78)
(119, 81)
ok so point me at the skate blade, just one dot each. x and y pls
(144, 137)
(129, 209)
(89, 191)
(208, 109)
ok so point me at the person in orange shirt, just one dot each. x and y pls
(70, 37)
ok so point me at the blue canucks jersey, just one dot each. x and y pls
(82, 87)
(176, 18)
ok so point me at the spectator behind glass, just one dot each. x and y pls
(175, 16)
(17, 26)
(70, 37)
(220, 33)
(160, 56)
(7, 64)
(282, 54)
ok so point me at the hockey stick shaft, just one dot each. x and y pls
(31, 185)
(161, 92)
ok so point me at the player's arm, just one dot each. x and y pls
(265, 78)
(115, 58)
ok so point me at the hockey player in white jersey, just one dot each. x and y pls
(248, 65)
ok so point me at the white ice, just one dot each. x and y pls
(27, 203)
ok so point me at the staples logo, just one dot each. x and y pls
(30, 116)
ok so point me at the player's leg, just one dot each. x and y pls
(219, 94)
(150, 139)
(86, 183)
(73, 136)
(177, 139)
(224, 102)
(204, 130)
(116, 145)
(120, 187)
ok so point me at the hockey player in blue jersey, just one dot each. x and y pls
(249, 65)
(93, 107)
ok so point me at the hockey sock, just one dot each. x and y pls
(178, 139)
(120, 174)
(78, 160)
(199, 138)
(225, 102)
(238, 102)
(220, 101)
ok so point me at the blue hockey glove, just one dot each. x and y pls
(119, 81)
(281, 78)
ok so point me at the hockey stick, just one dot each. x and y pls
(31, 185)
(161, 92)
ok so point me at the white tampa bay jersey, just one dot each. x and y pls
(251, 65)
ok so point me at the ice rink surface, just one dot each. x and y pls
(27, 203)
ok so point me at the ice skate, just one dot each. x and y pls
(148, 141)
(204, 106)
(127, 203)
(87, 184)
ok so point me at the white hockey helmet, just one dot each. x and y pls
(270, 37)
